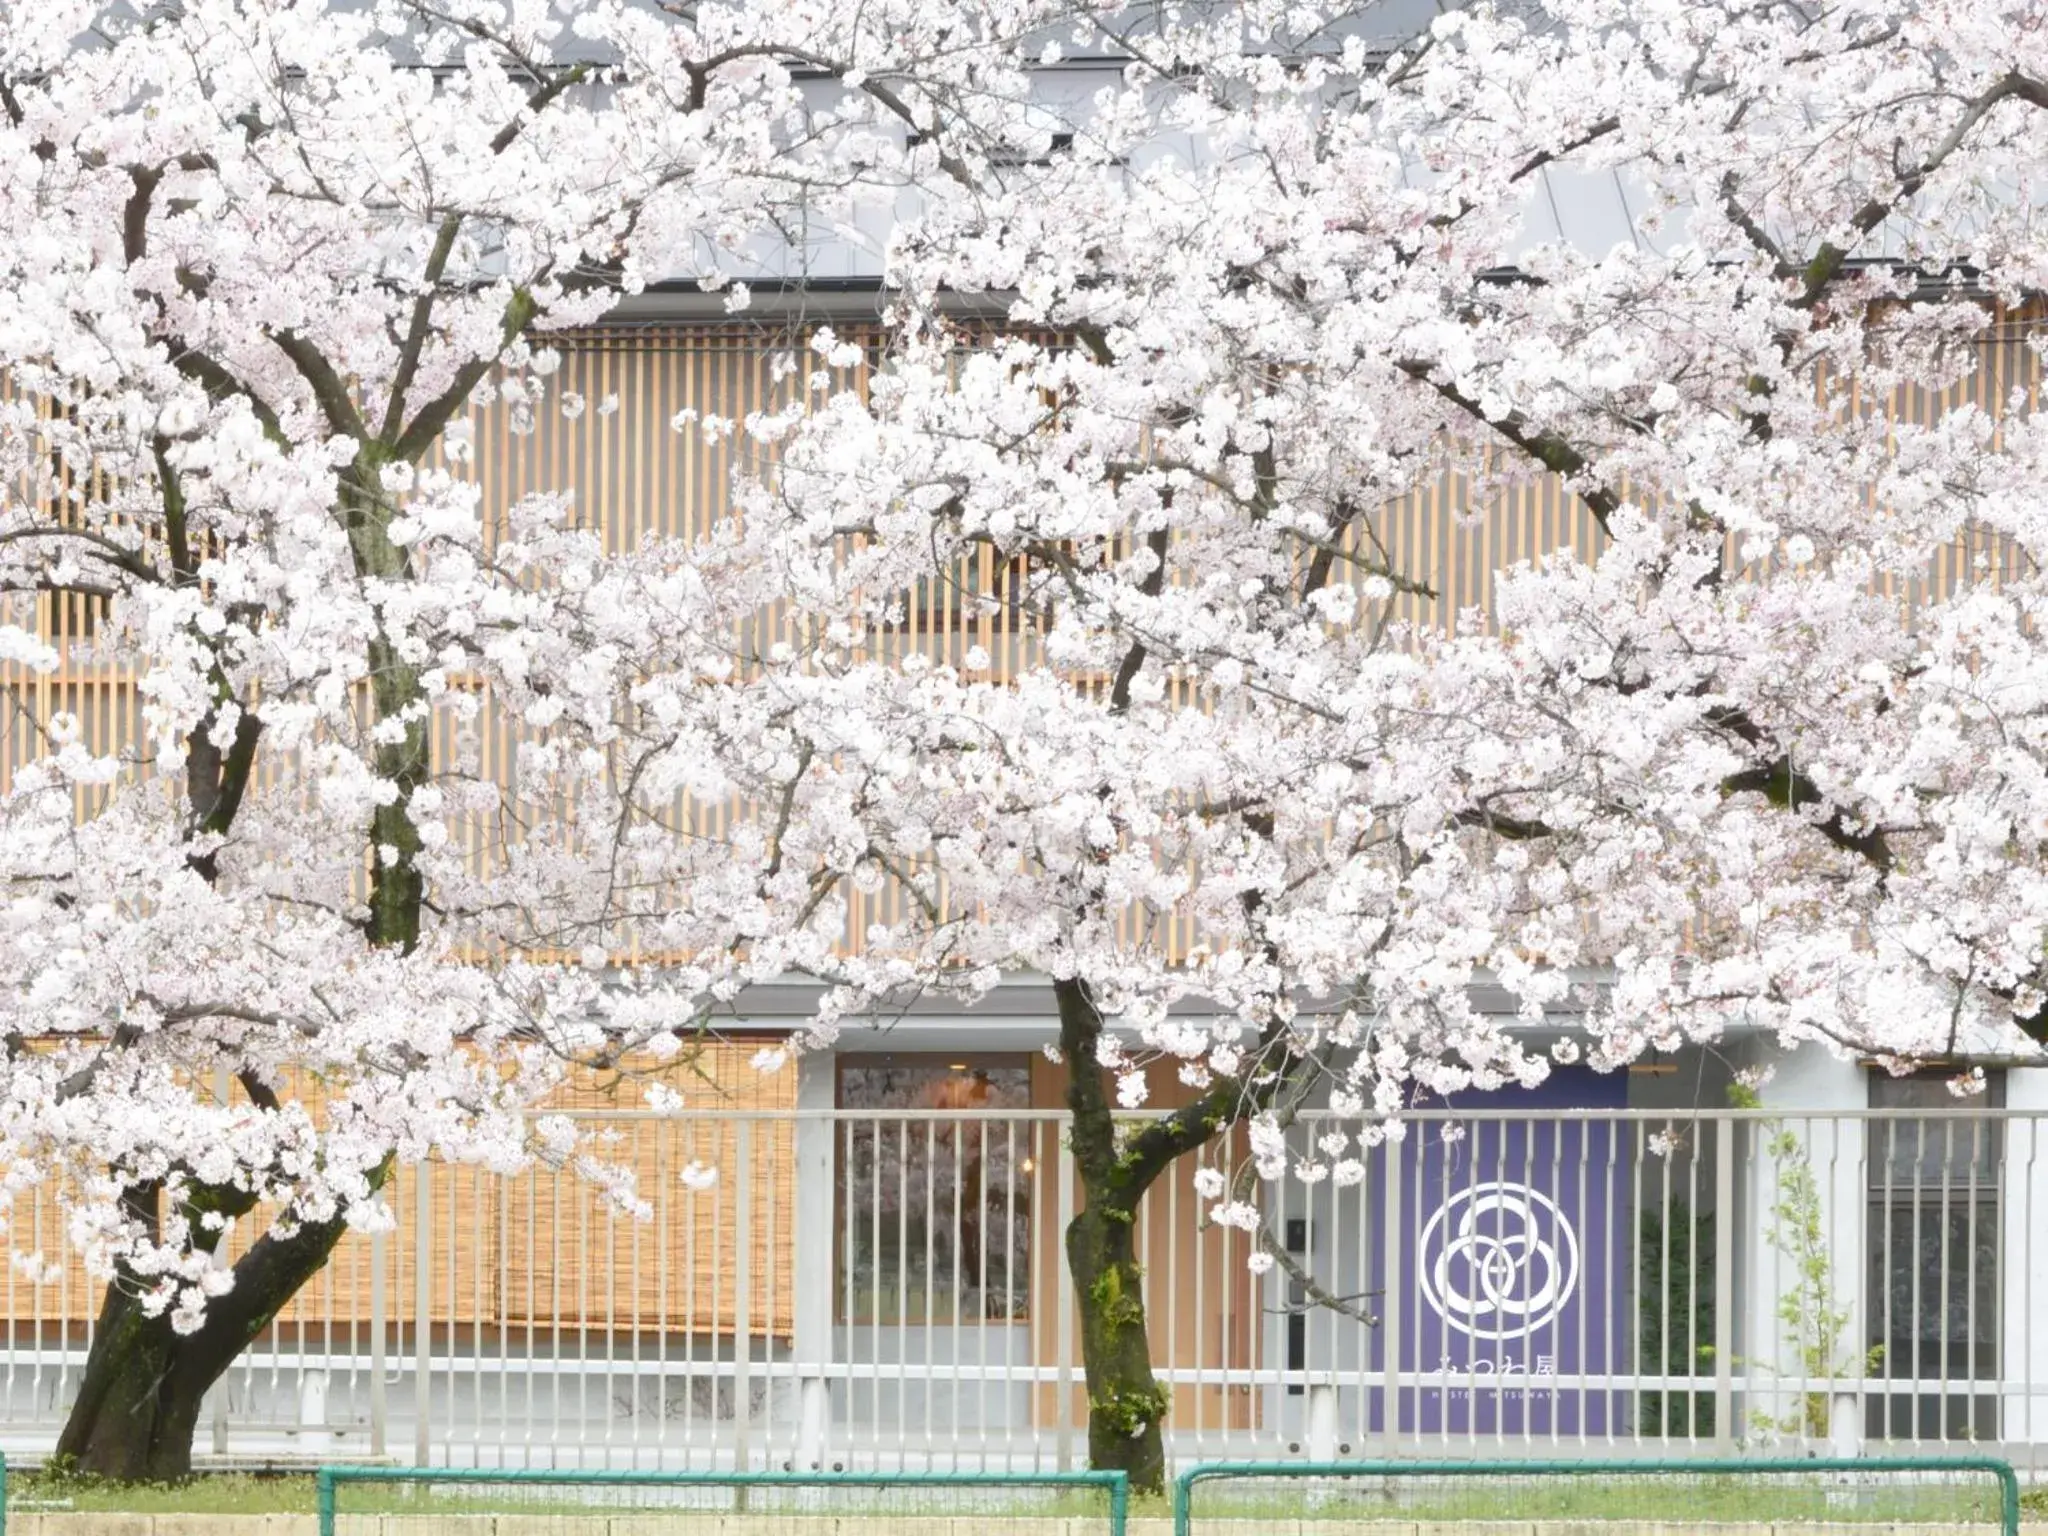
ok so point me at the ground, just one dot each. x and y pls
(241, 1505)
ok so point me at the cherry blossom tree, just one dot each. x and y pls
(260, 261)
(1275, 272)
(1744, 754)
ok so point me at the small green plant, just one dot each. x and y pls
(1815, 1317)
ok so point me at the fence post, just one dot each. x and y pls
(1844, 1189)
(1322, 1421)
(422, 1313)
(811, 1284)
(313, 1433)
(1845, 1429)
(218, 1259)
(1390, 1309)
(813, 1420)
(2023, 1341)
(743, 1295)
(1063, 1297)
(379, 1412)
(1728, 1129)
(219, 1394)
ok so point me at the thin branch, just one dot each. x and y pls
(1554, 452)
(420, 325)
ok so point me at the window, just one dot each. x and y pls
(1932, 1295)
(934, 1204)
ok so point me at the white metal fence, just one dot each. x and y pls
(884, 1288)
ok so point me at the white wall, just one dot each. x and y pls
(2023, 1249)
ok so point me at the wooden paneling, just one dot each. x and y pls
(515, 1250)
(635, 473)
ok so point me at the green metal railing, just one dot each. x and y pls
(1865, 1467)
(1115, 1485)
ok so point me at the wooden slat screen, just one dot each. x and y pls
(635, 474)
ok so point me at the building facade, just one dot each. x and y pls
(863, 1265)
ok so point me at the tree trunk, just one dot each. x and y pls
(138, 1403)
(1125, 1403)
(136, 1409)
(139, 1399)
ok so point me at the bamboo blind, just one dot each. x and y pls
(537, 1249)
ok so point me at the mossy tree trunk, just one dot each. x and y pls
(138, 1403)
(139, 1398)
(1127, 1405)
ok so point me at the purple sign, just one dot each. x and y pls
(1512, 1275)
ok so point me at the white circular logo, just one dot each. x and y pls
(1499, 1261)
